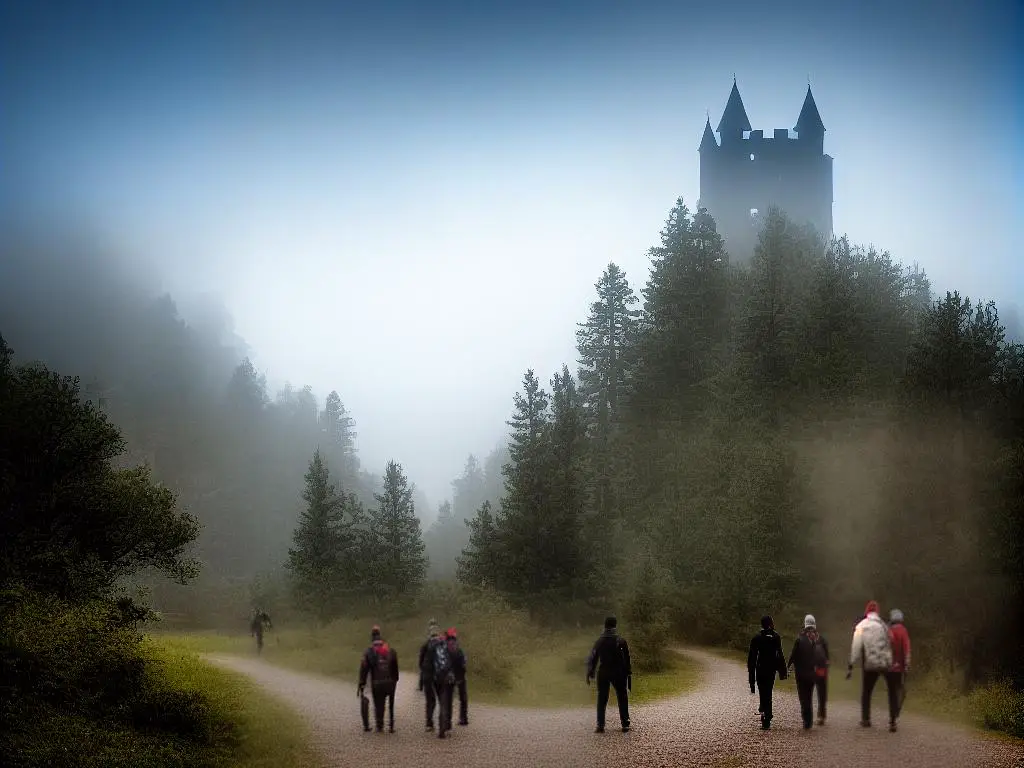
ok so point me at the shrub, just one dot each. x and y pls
(999, 707)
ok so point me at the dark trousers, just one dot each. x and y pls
(463, 702)
(604, 686)
(805, 688)
(431, 696)
(443, 692)
(893, 686)
(259, 640)
(384, 693)
(764, 690)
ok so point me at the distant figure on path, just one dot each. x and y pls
(443, 661)
(380, 664)
(872, 649)
(257, 623)
(764, 661)
(900, 661)
(809, 660)
(426, 670)
(615, 671)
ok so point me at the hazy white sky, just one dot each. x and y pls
(412, 207)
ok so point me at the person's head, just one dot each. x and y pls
(611, 622)
(809, 622)
(896, 616)
(871, 607)
(433, 628)
(451, 633)
(767, 623)
(375, 632)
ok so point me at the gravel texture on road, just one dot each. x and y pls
(716, 725)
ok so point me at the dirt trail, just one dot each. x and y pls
(714, 726)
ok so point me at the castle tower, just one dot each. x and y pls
(745, 173)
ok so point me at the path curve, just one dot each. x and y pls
(715, 726)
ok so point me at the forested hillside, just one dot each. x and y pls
(794, 435)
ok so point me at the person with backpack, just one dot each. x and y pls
(611, 652)
(809, 660)
(897, 676)
(764, 660)
(426, 671)
(442, 659)
(459, 657)
(380, 664)
(872, 649)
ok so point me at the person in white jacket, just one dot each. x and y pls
(872, 649)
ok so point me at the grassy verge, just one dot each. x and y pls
(264, 733)
(508, 664)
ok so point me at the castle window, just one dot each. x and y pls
(753, 213)
(751, 155)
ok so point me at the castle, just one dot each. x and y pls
(748, 172)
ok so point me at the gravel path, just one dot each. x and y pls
(715, 726)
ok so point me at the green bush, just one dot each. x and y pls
(999, 707)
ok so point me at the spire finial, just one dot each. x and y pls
(734, 78)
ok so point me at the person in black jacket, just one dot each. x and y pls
(612, 652)
(810, 660)
(764, 661)
(427, 671)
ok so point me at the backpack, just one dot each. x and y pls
(380, 663)
(819, 655)
(877, 646)
(442, 663)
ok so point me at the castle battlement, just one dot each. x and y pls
(743, 172)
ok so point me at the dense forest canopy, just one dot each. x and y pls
(792, 434)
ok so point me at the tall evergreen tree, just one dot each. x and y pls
(685, 321)
(481, 562)
(398, 553)
(604, 343)
(338, 428)
(524, 504)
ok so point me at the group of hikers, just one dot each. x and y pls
(442, 666)
(881, 650)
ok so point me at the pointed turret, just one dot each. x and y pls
(809, 123)
(708, 140)
(734, 119)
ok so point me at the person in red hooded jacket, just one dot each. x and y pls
(380, 664)
(900, 662)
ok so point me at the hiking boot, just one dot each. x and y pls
(807, 725)
(391, 729)
(380, 729)
(367, 729)
(430, 727)
(865, 723)
(625, 728)
(821, 721)
(599, 729)
(463, 722)
(892, 727)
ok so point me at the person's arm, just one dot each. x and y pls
(856, 649)
(906, 650)
(780, 657)
(394, 664)
(364, 670)
(752, 662)
(592, 661)
(793, 653)
(627, 664)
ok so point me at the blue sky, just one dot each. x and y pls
(411, 203)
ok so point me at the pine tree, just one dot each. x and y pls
(468, 491)
(524, 504)
(398, 553)
(562, 538)
(605, 343)
(685, 321)
(322, 540)
(480, 563)
(338, 428)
